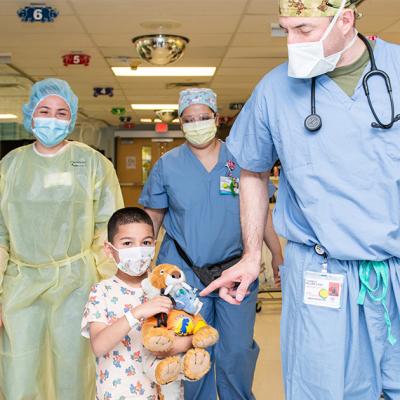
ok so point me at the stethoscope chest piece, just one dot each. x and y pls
(313, 123)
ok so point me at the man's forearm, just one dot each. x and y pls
(253, 211)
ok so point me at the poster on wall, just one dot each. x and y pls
(130, 162)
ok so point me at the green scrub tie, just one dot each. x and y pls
(382, 279)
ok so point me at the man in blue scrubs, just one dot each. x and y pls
(193, 191)
(338, 205)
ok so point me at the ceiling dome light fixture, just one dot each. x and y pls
(167, 116)
(160, 49)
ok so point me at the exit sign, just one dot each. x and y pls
(161, 128)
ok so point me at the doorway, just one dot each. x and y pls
(134, 159)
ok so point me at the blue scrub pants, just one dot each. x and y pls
(338, 354)
(234, 356)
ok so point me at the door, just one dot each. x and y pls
(134, 159)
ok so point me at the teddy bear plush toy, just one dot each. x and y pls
(158, 332)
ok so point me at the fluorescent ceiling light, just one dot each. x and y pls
(164, 71)
(146, 120)
(8, 116)
(154, 106)
(157, 121)
(175, 121)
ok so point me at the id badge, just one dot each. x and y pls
(323, 290)
(229, 185)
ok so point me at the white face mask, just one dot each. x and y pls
(135, 261)
(200, 132)
(307, 60)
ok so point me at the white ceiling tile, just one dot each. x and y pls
(258, 39)
(251, 62)
(394, 28)
(159, 9)
(249, 80)
(12, 25)
(249, 52)
(375, 8)
(390, 37)
(375, 24)
(203, 52)
(257, 23)
(53, 41)
(126, 24)
(10, 8)
(263, 7)
(39, 71)
(241, 72)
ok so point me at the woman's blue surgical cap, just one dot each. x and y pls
(50, 87)
(204, 96)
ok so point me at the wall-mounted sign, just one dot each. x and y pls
(130, 162)
(124, 119)
(76, 59)
(161, 127)
(128, 125)
(37, 13)
(103, 91)
(118, 110)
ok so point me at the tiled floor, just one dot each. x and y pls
(268, 379)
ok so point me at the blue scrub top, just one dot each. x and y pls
(205, 223)
(339, 187)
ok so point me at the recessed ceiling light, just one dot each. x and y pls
(164, 71)
(8, 116)
(154, 106)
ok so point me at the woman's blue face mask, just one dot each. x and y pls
(50, 131)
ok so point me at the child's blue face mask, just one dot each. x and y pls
(50, 131)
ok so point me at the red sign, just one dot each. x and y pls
(129, 125)
(161, 128)
(76, 59)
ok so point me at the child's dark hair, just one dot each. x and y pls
(127, 215)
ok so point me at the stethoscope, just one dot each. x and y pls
(313, 122)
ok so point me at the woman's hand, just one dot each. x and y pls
(276, 262)
(159, 304)
(181, 345)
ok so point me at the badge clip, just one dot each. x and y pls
(321, 252)
(324, 269)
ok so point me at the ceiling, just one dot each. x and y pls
(232, 35)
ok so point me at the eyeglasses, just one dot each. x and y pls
(191, 118)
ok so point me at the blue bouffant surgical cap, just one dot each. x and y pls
(50, 87)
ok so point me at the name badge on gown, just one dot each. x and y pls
(229, 185)
(323, 290)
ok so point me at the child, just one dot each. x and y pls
(113, 315)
